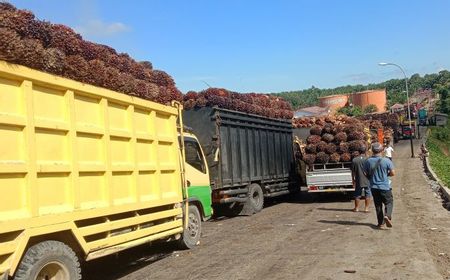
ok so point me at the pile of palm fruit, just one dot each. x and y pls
(389, 122)
(332, 139)
(252, 103)
(57, 49)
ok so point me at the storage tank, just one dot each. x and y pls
(333, 102)
(365, 98)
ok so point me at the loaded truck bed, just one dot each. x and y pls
(244, 150)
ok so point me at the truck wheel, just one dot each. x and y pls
(256, 197)
(191, 235)
(49, 260)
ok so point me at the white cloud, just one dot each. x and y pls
(99, 28)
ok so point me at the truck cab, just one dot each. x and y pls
(198, 195)
(197, 176)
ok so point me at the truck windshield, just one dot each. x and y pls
(193, 155)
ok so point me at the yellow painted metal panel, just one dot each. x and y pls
(13, 139)
(118, 116)
(13, 187)
(40, 221)
(135, 234)
(142, 124)
(122, 150)
(90, 149)
(88, 111)
(92, 188)
(148, 186)
(52, 145)
(9, 119)
(49, 103)
(11, 97)
(123, 188)
(146, 152)
(122, 246)
(71, 152)
(108, 226)
(8, 247)
(54, 193)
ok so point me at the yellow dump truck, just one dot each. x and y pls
(86, 172)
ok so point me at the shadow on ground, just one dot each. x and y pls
(119, 265)
(348, 223)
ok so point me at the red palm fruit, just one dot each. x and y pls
(340, 137)
(316, 130)
(76, 67)
(346, 157)
(313, 139)
(343, 148)
(309, 158)
(335, 157)
(328, 137)
(310, 149)
(322, 157)
(330, 148)
(321, 146)
(10, 43)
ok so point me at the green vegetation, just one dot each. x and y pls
(438, 144)
(354, 111)
(444, 102)
(439, 82)
(371, 108)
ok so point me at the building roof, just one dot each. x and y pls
(311, 111)
(397, 106)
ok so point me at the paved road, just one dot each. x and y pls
(323, 239)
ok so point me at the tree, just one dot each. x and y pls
(371, 108)
(353, 111)
(395, 89)
(444, 102)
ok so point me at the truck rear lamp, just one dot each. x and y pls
(313, 188)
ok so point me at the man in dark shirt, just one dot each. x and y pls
(378, 170)
(360, 181)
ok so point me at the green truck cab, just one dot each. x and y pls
(196, 175)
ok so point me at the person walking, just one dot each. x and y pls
(388, 151)
(360, 181)
(378, 170)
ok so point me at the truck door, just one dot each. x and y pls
(197, 175)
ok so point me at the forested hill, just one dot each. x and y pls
(395, 89)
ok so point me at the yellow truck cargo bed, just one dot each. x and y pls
(95, 169)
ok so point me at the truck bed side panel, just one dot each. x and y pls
(252, 148)
(73, 154)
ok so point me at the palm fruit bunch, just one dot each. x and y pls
(321, 146)
(339, 137)
(322, 157)
(57, 49)
(335, 157)
(252, 103)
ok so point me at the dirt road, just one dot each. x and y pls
(323, 239)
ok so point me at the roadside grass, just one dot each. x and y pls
(438, 145)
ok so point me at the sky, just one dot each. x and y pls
(265, 46)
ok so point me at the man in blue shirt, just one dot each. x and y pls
(378, 169)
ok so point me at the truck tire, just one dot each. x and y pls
(51, 260)
(191, 235)
(256, 197)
